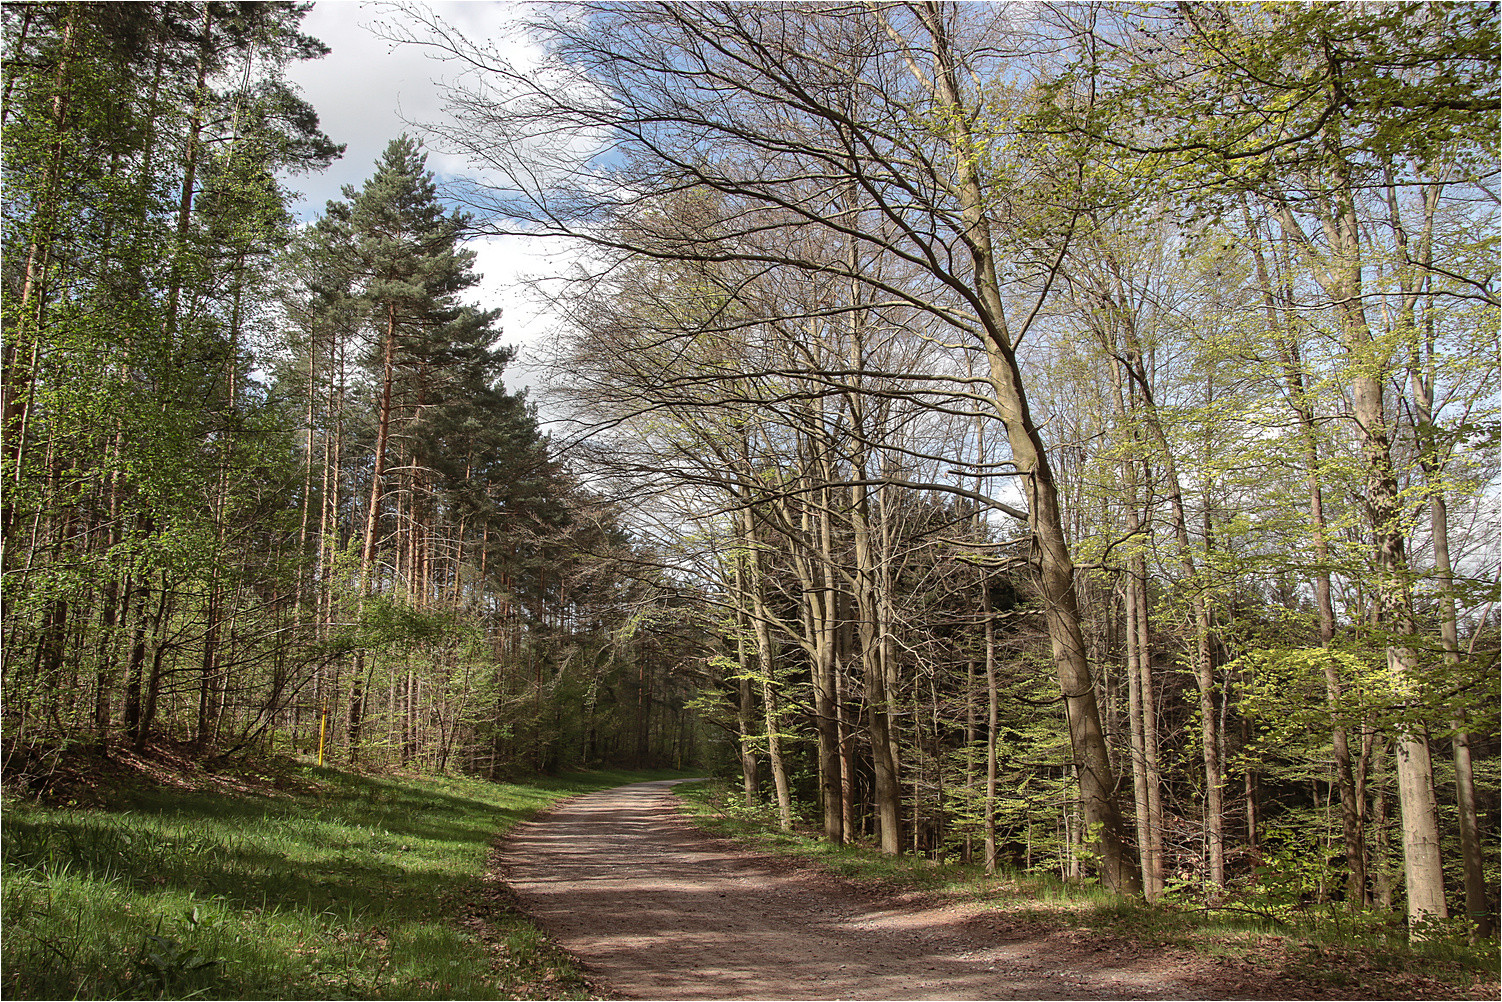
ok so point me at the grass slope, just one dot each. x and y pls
(296, 882)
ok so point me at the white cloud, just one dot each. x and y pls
(369, 90)
(521, 277)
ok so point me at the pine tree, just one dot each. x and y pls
(142, 142)
(409, 273)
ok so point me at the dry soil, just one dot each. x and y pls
(656, 909)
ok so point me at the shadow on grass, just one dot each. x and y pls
(302, 896)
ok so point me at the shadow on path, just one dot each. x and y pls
(656, 909)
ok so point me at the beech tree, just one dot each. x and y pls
(1362, 100)
(884, 127)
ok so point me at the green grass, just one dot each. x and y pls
(350, 887)
(1316, 944)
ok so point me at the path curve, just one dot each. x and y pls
(656, 909)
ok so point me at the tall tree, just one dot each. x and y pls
(409, 271)
(756, 84)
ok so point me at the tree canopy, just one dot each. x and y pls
(1059, 436)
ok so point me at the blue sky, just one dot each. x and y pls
(367, 91)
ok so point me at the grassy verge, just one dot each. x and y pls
(310, 883)
(1319, 945)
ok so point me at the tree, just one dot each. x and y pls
(408, 271)
(906, 159)
(1356, 97)
(125, 354)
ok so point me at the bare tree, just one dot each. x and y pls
(886, 127)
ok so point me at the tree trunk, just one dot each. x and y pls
(1421, 382)
(378, 473)
(1050, 549)
(767, 663)
(992, 714)
(826, 721)
(886, 794)
(141, 732)
(1478, 907)
(1138, 738)
(1155, 879)
(1423, 870)
(746, 708)
(1353, 838)
(368, 583)
(17, 377)
(192, 153)
(1139, 666)
(1204, 666)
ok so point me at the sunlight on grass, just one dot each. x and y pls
(355, 889)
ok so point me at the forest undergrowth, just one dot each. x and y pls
(152, 877)
(1270, 925)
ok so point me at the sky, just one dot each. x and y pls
(368, 91)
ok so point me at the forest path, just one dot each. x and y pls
(656, 909)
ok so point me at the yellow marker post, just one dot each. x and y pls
(323, 723)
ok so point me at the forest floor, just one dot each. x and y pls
(293, 881)
(654, 907)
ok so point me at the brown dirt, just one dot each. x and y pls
(654, 908)
(82, 776)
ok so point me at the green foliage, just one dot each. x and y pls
(170, 967)
(147, 208)
(385, 621)
(183, 543)
(341, 885)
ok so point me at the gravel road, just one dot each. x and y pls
(656, 909)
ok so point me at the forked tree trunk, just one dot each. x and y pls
(1423, 869)
(1421, 382)
(1050, 549)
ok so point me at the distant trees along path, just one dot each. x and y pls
(1061, 438)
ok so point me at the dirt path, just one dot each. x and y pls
(656, 909)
